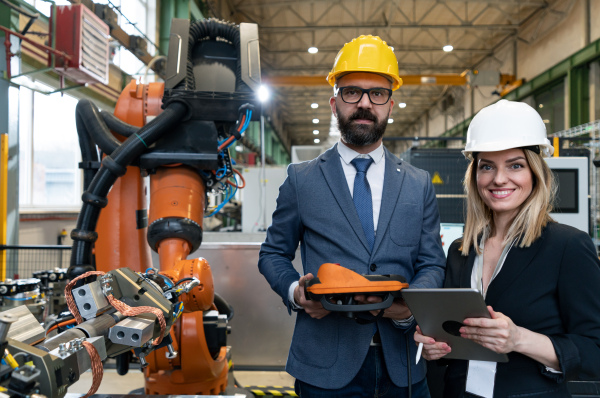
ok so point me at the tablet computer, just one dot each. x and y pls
(440, 312)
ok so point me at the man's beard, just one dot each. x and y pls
(360, 134)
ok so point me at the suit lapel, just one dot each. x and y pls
(392, 184)
(336, 180)
(517, 260)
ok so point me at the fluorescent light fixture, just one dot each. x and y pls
(316, 132)
(316, 121)
(317, 140)
(447, 48)
(402, 105)
(263, 93)
(390, 120)
(314, 105)
(313, 50)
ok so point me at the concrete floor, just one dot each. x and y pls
(113, 383)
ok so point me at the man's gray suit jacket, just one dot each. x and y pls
(315, 209)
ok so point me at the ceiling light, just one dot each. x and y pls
(313, 50)
(316, 132)
(263, 94)
(239, 148)
(390, 120)
(402, 105)
(447, 48)
(314, 105)
(316, 121)
(317, 140)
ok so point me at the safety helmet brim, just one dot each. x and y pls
(546, 149)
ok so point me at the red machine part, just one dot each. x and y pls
(84, 37)
(177, 191)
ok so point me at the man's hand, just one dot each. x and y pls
(398, 310)
(313, 308)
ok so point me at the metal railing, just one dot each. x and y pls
(23, 261)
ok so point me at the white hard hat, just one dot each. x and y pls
(506, 125)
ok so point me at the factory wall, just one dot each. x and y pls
(539, 47)
(37, 231)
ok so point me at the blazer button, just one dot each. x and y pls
(373, 267)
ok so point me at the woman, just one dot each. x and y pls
(539, 278)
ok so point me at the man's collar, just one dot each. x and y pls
(348, 154)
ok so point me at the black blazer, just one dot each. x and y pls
(552, 288)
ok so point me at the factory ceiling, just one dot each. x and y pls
(416, 29)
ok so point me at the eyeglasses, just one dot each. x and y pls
(353, 95)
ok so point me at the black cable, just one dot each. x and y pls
(88, 119)
(183, 280)
(117, 125)
(223, 306)
(408, 365)
(29, 23)
(114, 165)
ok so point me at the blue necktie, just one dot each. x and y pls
(362, 198)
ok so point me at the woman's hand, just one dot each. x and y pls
(499, 333)
(432, 349)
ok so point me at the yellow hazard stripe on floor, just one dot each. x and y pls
(274, 391)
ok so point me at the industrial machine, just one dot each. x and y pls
(178, 134)
(18, 292)
(52, 285)
(121, 311)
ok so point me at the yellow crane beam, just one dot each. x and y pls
(444, 80)
(429, 80)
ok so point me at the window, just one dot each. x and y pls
(49, 153)
(49, 176)
(550, 104)
(140, 14)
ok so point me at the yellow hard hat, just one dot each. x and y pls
(366, 54)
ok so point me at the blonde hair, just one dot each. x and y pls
(532, 217)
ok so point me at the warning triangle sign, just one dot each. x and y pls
(437, 179)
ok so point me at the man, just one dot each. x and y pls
(322, 205)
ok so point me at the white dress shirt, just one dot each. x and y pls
(375, 176)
